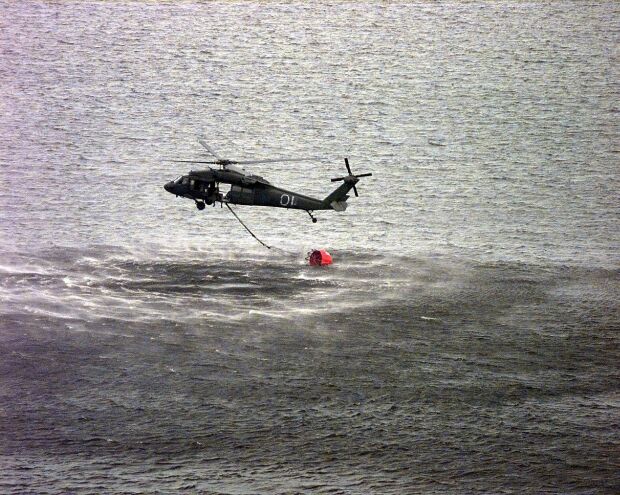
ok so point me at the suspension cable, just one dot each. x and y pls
(245, 226)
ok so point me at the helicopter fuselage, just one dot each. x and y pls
(203, 187)
(253, 190)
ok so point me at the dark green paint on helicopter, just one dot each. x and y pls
(202, 186)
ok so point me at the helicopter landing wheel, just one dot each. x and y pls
(314, 220)
(200, 205)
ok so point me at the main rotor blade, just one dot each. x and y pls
(193, 161)
(346, 162)
(355, 191)
(246, 162)
(364, 175)
(336, 179)
(209, 149)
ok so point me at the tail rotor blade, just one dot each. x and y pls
(351, 178)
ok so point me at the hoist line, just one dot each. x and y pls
(245, 226)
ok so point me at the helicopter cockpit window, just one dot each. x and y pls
(178, 179)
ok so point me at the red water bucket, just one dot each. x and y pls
(319, 257)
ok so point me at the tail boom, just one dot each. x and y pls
(337, 200)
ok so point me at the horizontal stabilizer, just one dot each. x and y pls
(339, 205)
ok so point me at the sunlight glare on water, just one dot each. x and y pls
(465, 340)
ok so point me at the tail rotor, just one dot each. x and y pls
(351, 177)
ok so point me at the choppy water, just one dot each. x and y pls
(464, 341)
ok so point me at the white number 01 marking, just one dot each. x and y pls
(286, 200)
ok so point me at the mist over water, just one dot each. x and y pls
(465, 339)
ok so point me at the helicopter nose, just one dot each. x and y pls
(169, 187)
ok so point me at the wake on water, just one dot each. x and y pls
(380, 373)
(480, 356)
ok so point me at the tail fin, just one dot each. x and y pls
(338, 198)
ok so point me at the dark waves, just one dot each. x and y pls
(125, 373)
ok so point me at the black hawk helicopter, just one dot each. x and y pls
(203, 186)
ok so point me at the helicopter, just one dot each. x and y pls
(203, 186)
